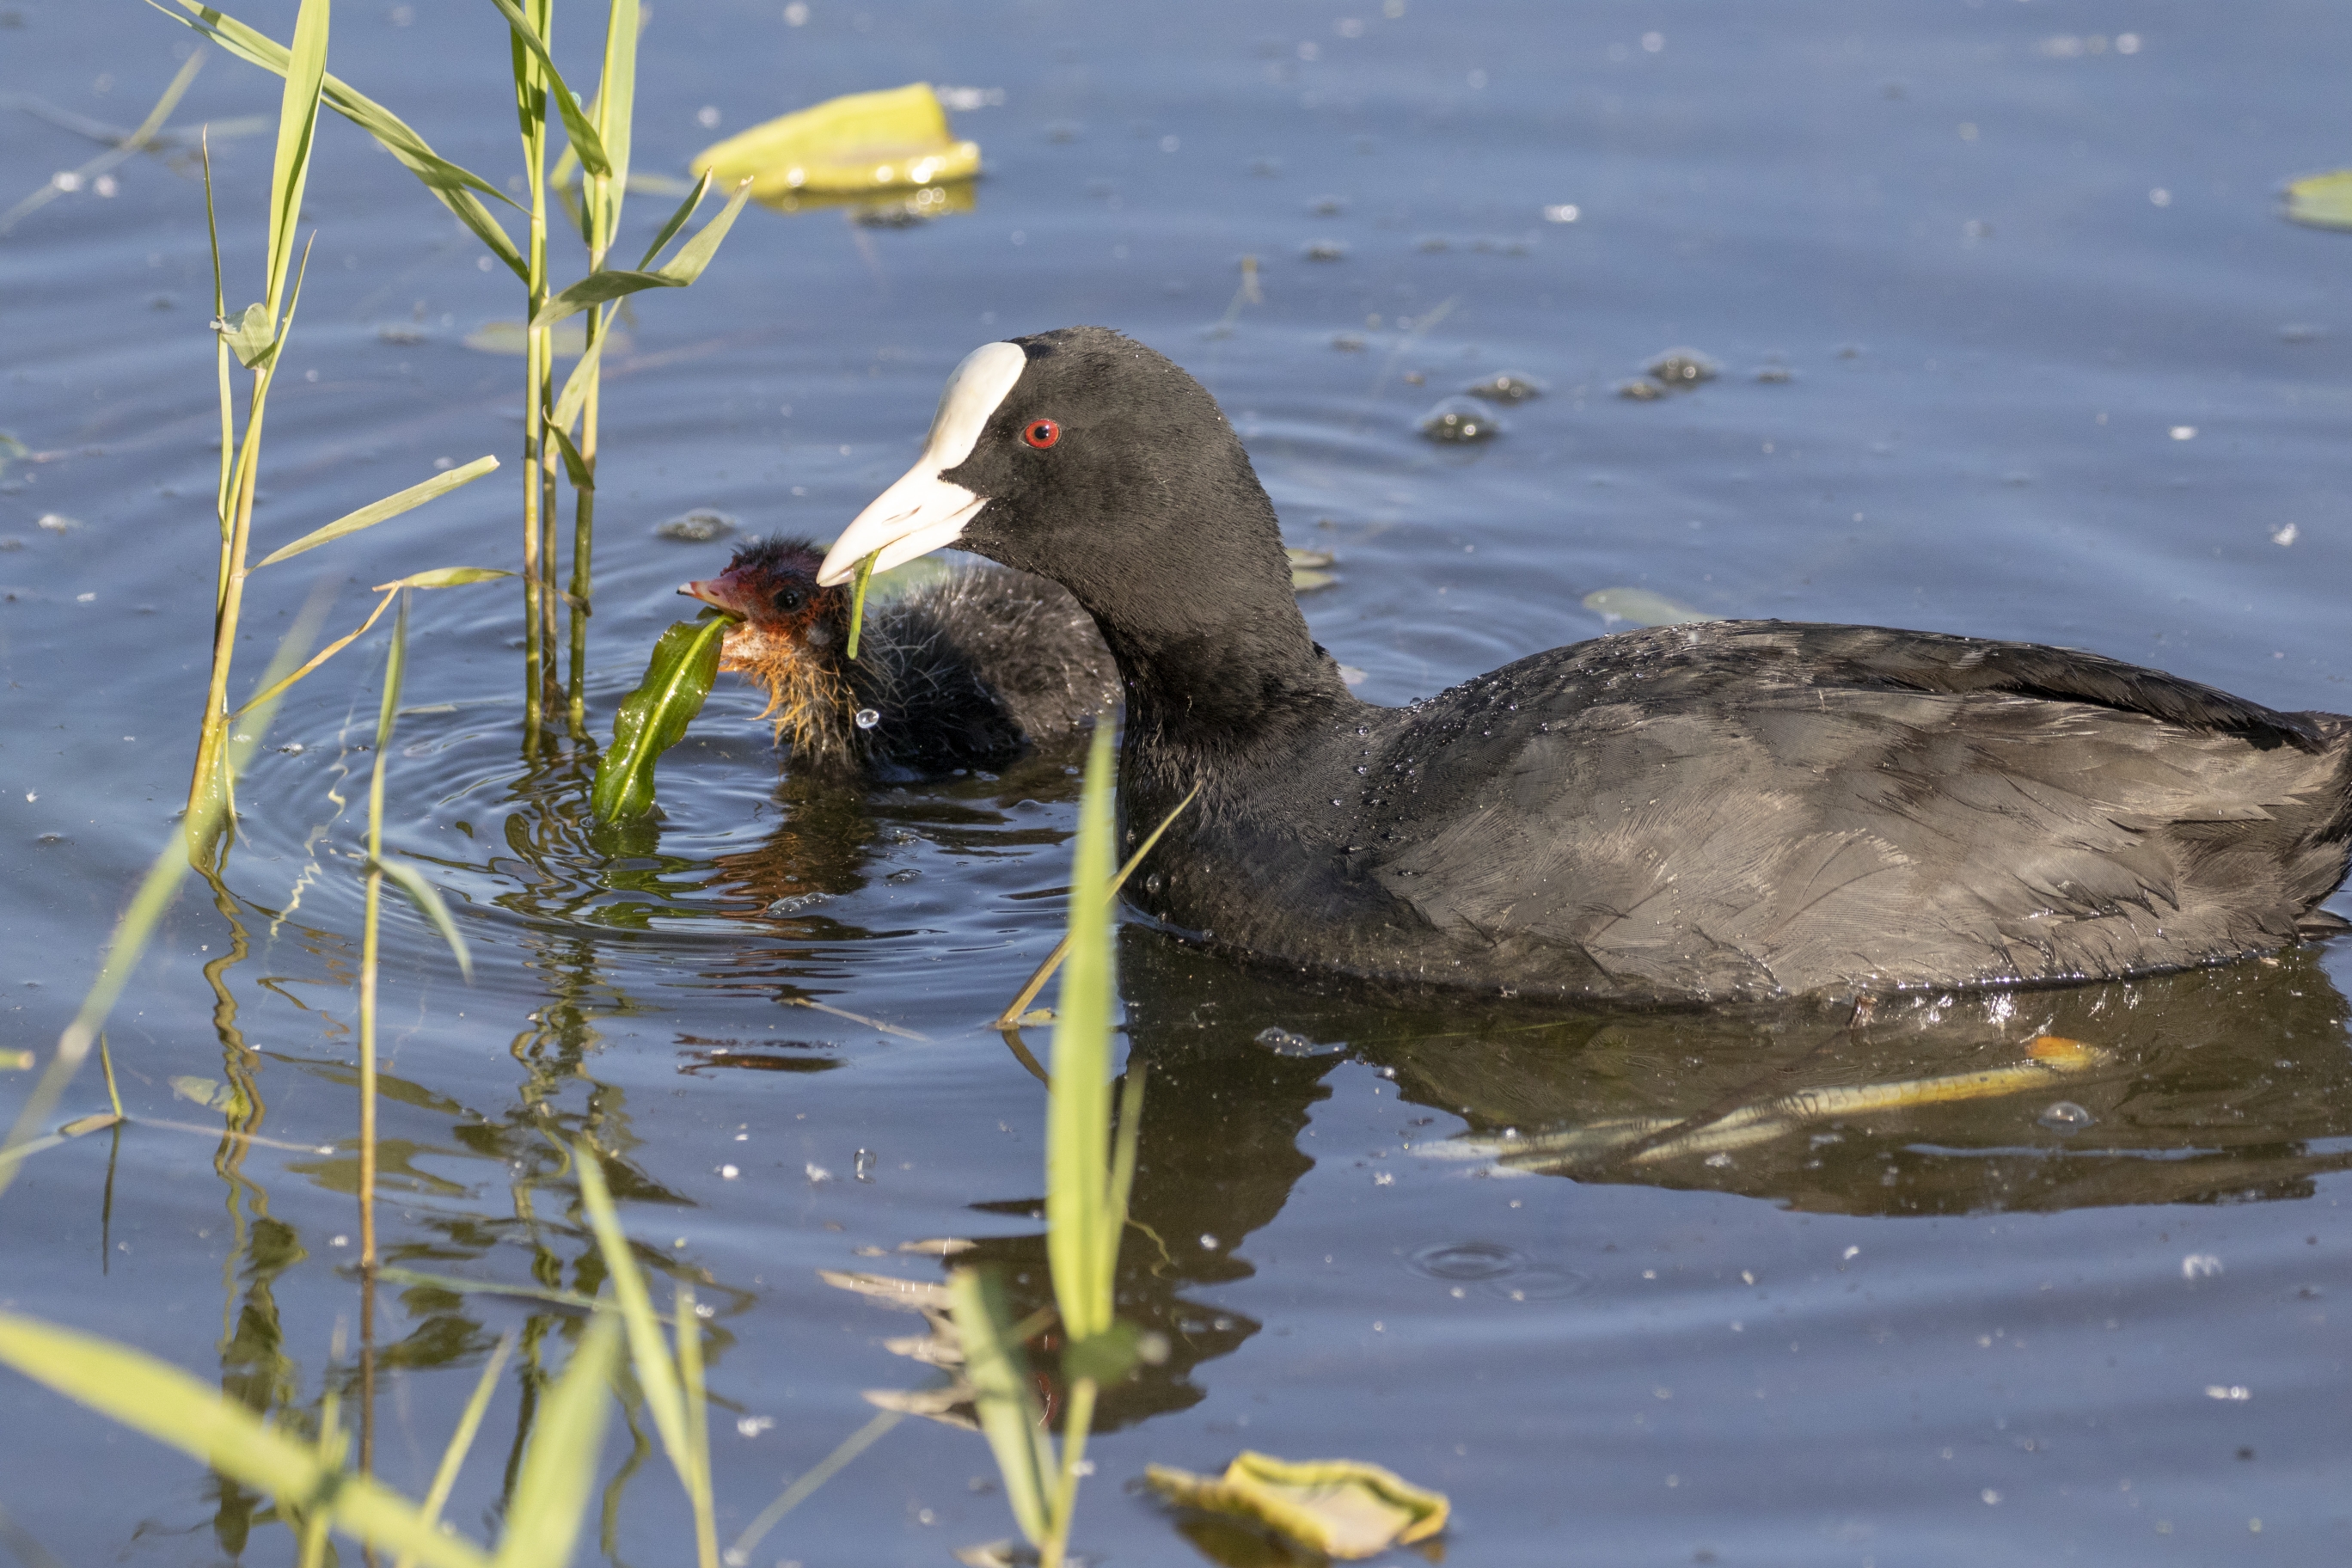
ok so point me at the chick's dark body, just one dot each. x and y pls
(1730, 810)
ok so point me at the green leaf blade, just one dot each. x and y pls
(648, 1352)
(1079, 1243)
(1004, 1396)
(451, 184)
(585, 141)
(675, 221)
(654, 717)
(427, 898)
(390, 507)
(443, 577)
(298, 123)
(551, 1496)
(159, 1400)
(616, 103)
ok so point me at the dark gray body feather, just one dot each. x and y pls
(1758, 810)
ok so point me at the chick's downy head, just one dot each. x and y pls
(791, 637)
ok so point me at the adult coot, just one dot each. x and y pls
(963, 672)
(1736, 809)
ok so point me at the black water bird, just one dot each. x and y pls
(1734, 809)
(964, 671)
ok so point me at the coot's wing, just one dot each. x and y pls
(1932, 661)
(1726, 810)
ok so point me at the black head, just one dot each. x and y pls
(1087, 457)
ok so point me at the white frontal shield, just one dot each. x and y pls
(922, 512)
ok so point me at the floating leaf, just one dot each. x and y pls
(2323, 201)
(1642, 607)
(208, 1092)
(700, 526)
(1343, 1507)
(862, 143)
(654, 717)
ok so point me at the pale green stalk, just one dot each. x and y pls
(672, 1386)
(602, 196)
(394, 666)
(461, 1441)
(257, 338)
(530, 108)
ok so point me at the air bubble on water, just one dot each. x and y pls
(2065, 1116)
(868, 718)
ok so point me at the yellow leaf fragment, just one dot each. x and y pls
(1342, 1508)
(2324, 200)
(856, 144)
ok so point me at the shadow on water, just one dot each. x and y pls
(2220, 1086)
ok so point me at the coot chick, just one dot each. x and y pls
(1734, 809)
(963, 672)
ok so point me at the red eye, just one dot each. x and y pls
(1040, 433)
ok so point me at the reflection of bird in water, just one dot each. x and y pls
(823, 842)
(961, 672)
(2213, 1084)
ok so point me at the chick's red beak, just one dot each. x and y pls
(725, 590)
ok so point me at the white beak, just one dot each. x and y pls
(923, 511)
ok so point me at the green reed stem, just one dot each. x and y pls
(395, 666)
(858, 600)
(530, 108)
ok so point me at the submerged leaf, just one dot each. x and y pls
(1343, 1507)
(1642, 607)
(2323, 201)
(864, 141)
(654, 717)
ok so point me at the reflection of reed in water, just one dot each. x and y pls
(2049, 1060)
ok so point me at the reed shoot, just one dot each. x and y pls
(1089, 1175)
